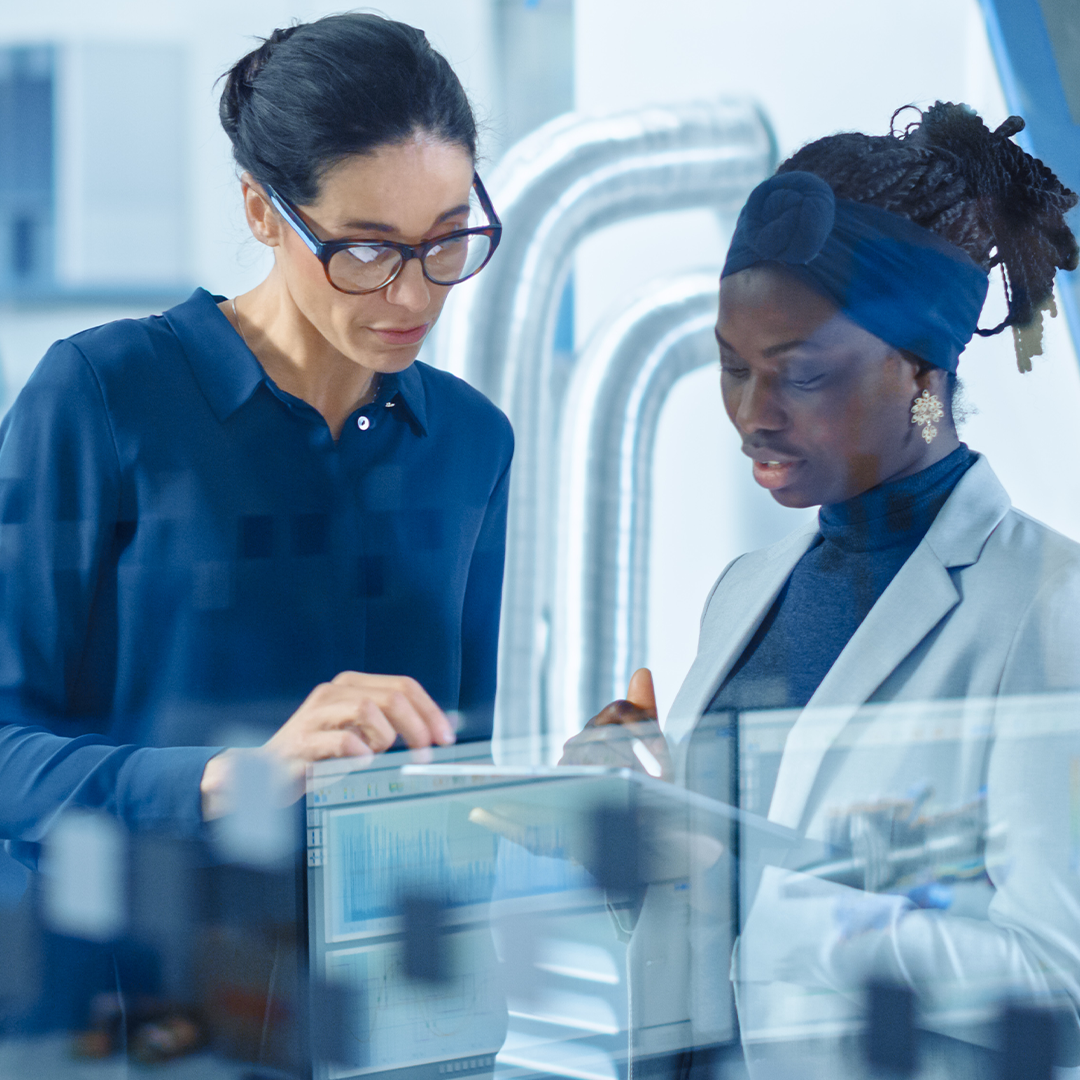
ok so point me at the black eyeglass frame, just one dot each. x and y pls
(325, 250)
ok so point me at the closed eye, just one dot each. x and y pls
(730, 364)
(811, 382)
(734, 371)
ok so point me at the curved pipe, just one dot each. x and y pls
(605, 489)
(563, 182)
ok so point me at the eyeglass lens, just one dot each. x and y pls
(362, 268)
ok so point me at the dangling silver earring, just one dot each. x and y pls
(927, 411)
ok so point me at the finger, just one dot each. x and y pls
(343, 710)
(375, 728)
(319, 745)
(619, 712)
(436, 721)
(596, 752)
(641, 692)
(612, 756)
(440, 730)
(405, 720)
(338, 709)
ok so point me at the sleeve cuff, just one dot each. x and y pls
(158, 788)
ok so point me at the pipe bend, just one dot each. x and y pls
(568, 179)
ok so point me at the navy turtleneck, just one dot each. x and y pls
(862, 544)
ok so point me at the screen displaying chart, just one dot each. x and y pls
(377, 853)
(405, 1023)
(480, 852)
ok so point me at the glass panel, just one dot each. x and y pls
(945, 867)
(473, 911)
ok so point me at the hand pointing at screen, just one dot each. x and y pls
(624, 734)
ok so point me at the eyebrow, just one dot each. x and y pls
(772, 350)
(380, 226)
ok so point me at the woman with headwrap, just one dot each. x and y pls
(855, 278)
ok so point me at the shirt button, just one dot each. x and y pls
(363, 423)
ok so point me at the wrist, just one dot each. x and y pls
(217, 787)
(214, 785)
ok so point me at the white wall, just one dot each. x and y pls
(214, 35)
(200, 40)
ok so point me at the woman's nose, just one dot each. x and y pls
(759, 408)
(410, 289)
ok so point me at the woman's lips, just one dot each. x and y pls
(402, 337)
(774, 474)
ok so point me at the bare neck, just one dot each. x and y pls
(296, 356)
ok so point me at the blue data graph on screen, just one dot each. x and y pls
(522, 873)
(377, 854)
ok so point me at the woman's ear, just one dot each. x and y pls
(262, 218)
(934, 379)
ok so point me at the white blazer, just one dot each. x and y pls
(979, 631)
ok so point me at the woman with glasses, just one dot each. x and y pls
(260, 514)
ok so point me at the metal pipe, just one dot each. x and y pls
(604, 502)
(566, 180)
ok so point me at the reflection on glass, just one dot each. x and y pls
(937, 861)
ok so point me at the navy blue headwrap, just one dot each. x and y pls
(903, 283)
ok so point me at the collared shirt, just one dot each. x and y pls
(186, 552)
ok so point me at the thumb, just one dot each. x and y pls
(641, 692)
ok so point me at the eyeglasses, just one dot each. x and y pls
(363, 266)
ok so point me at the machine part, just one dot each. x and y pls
(894, 848)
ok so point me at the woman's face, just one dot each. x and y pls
(822, 406)
(407, 192)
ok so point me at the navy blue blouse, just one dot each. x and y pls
(185, 552)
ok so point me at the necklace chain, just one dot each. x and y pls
(239, 325)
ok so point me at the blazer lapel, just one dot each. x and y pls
(741, 599)
(916, 600)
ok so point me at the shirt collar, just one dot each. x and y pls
(405, 388)
(225, 368)
(898, 512)
(228, 373)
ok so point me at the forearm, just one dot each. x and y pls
(946, 956)
(146, 788)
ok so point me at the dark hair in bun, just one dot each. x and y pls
(975, 187)
(313, 94)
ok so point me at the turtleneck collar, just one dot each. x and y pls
(895, 513)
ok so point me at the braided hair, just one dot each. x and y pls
(313, 94)
(975, 187)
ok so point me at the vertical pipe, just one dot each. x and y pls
(613, 406)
